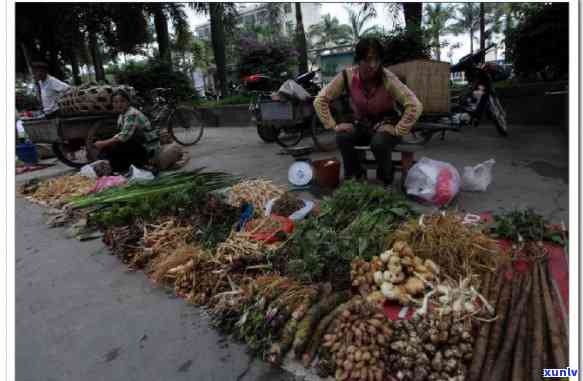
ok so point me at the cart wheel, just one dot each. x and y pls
(289, 136)
(266, 133)
(72, 154)
(324, 139)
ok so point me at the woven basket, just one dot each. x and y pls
(429, 80)
(85, 100)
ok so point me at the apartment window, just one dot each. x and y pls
(287, 7)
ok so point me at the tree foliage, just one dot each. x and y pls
(357, 19)
(329, 32)
(540, 42)
(148, 75)
(436, 19)
(402, 45)
(266, 58)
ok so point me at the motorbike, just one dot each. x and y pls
(262, 86)
(477, 100)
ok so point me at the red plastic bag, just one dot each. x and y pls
(433, 181)
(268, 234)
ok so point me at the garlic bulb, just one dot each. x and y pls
(387, 289)
(378, 277)
(387, 276)
(386, 255)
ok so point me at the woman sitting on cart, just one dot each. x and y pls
(373, 92)
(137, 143)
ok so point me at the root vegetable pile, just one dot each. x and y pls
(257, 192)
(57, 192)
(286, 205)
(459, 250)
(396, 275)
(357, 344)
(435, 347)
(529, 334)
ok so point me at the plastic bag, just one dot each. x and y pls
(96, 169)
(271, 236)
(88, 171)
(108, 182)
(477, 178)
(433, 181)
(295, 216)
(138, 175)
(290, 89)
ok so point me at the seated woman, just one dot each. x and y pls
(137, 143)
(373, 91)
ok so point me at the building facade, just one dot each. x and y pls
(258, 15)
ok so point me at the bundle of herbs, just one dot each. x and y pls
(169, 195)
(353, 224)
(524, 225)
(354, 198)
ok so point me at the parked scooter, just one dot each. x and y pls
(262, 86)
(478, 99)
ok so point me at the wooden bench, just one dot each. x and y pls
(403, 165)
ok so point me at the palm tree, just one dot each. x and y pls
(221, 18)
(467, 21)
(329, 31)
(436, 17)
(413, 15)
(301, 40)
(357, 20)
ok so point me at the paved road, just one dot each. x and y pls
(81, 316)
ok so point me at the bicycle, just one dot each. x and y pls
(183, 122)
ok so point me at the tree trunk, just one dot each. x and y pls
(218, 41)
(162, 36)
(75, 67)
(27, 60)
(413, 13)
(471, 41)
(438, 48)
(301, 40)
(482, 30)
(96, 57)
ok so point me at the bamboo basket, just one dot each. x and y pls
(429, 80)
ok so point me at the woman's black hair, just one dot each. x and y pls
(121, 93)
(364, 45)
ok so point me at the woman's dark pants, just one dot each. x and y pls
(122, 155)
(381, 144)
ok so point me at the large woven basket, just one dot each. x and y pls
(89, 100)
(429, 80)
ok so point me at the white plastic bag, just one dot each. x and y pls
(436, 182)
(295, 216)
(88, 171)
(290, 89)
(140, 175)
(477, 178)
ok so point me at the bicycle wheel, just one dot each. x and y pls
(185, 126)
(289, 136)
(324, 138)
(497, 115)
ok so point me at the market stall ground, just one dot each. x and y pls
(53, 309)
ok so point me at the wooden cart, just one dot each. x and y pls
(72, 138)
